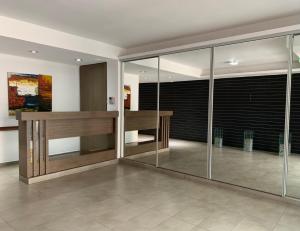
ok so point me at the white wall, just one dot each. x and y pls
(113, 90)
(113, 84)
(65, 97)
(132, 81)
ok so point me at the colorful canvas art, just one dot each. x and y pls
(28, 92)
(127, 94)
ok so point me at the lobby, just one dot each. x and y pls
(183, 121)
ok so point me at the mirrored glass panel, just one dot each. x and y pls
(249, 113)
(140, 110)
(293, 180)
(183, 104)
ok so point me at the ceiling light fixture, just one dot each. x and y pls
(78, 60)
(33, 51)
(142, 71)
(233, 62)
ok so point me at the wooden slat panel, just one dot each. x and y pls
(36, 151)
(25, 164)
(26, 152)
(42, 147)
(74, 161)
(168, 131)
(76, 127)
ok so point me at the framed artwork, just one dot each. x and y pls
(127, 97)
(28, 92)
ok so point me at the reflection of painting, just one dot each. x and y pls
(127, 94)
(28, 92)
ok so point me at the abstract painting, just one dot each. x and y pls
(29, 93)
(127, 98)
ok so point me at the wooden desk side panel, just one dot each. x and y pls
(56, 165)
(56, 129)
(25, 157)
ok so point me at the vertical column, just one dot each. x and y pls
(210, 114)
(287, 113)
(158, 114)
(122, 114)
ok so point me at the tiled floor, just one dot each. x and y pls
(123, 197)
(257, 170)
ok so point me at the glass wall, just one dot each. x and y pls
(249, 113)
(293, 170)
(248, 89)
(184, 90)
(140, 110)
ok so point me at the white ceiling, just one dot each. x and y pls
(261, 57)
(130, 23)
(22, 48)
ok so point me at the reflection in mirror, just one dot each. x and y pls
(293, 180)
(140, 120)
(249, 113)
(184, 84)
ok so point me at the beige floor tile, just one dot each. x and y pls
(285, 228)
(250, 225)
(5, 226)
(195, 214)
(221, 220)
(173, 224)
(75, 222)
(291, 220)
(131, 198)
(150, 219)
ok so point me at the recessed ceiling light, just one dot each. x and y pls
(33, 51)
(233, 62)
(78, 60)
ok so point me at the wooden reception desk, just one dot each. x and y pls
(37, 128)
(147, 120)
